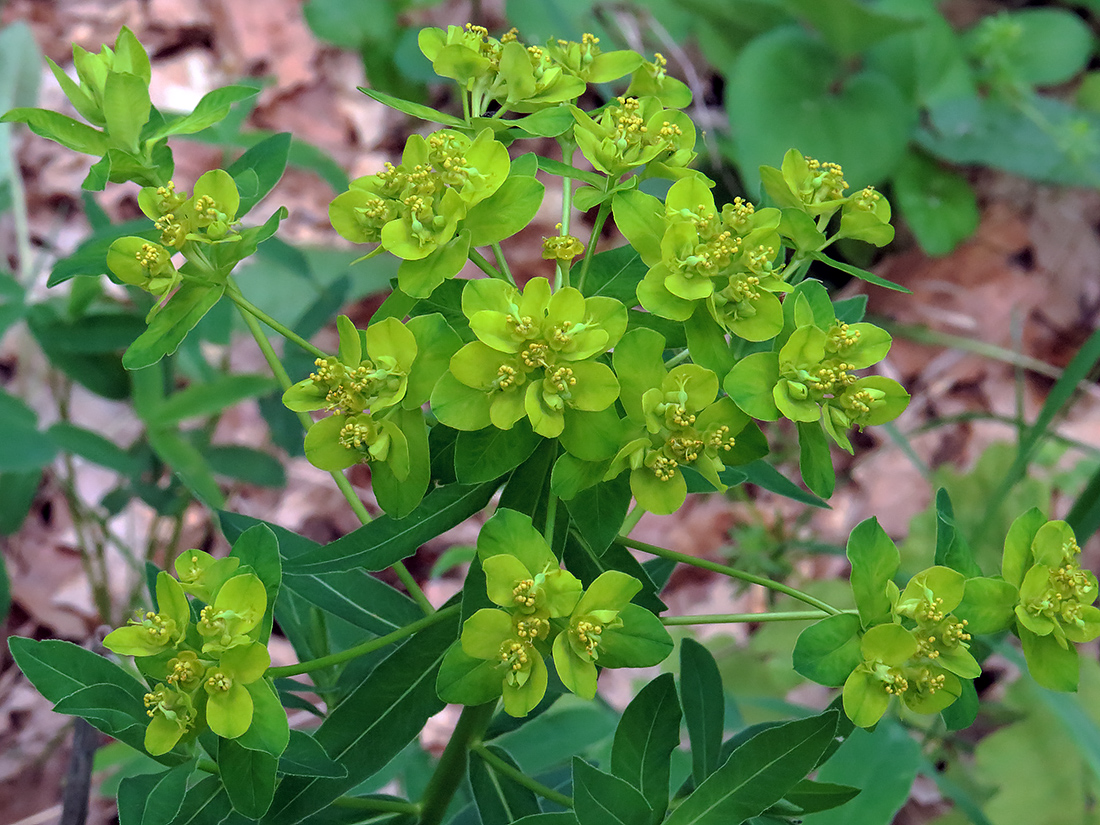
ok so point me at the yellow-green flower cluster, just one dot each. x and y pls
(205, 673)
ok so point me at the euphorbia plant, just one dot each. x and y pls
(570, 401)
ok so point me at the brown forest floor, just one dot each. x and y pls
(1028, 281)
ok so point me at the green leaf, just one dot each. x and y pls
(809, 796)
(484, 455)
(188, 463)
(707, 342)
(25, 448)
(377, 719)
(356, 597)
(882, 764)
(106, 332)
(1041, 46)
(828, 651)
(849, 26)
(564, 170)
(212, 108)
(168, 329)
(204, 802)
(764, 475)
(304, 756)
(704, 705)
(90, 258)
(648, 733)
(616, 274)
(245, 464)
(110, 707)
(598, 514)
(505, 212)
(859, 119)
(1051, 665)
(207, 398)
(72, 134)
(417, 110)
(939, 205)
(258, 170)
(17, 492)
(125, 108)
(815, 461)
(1084, 515)
(603, 799)
(875, 561)
(961, 713)
(249, 777)
(499, 798)
(759, 773)
(861, 274)
(153, 798)
(952, 549)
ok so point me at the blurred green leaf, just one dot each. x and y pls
(938, 204)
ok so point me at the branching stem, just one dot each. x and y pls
(520, 778)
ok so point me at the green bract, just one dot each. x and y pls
(229, 704)
(151, 633)
(236, 612)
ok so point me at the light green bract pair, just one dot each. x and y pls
(542, 608)
(535, 357)
(206, 673)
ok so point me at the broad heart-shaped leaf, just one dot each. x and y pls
(598, 513)
(848, 26)
(952, 549)
(939, 205)
(417, 110)
(499, 798)
(168, 329)
(249, 777)
(875, 561)
(704, 704)
(378, 545)
(828, 651)
(759, 773)
(505, 212)
(304, 756)
(258, 170)
(213, 107)
(648, 732)
(603, 799)
(153, 798)
(814, 460)
(860, 120)
(484, 455)
(379, 717)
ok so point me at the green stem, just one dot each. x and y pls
(451, 769)
(678, 358)
(520, 778)
(483, 264)
(502, 263)
(234, 293)
(361, 803)
(725, 570)
(341, 481)
(593, 239)
(740, 618)
(631, 520)
(364, 648)
(551, 517)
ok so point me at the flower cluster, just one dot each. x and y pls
(208, 216)
(543, 609)
(207, 673)
(534, 357)
(635, 132)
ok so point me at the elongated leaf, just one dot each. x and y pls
(500, 799)
(598, 513)
(356, 597)
(378, 545)
(603, 799)
(615, 273)
(418, 110)
(93, 447)
(258, 170)
(207, 398)
(856, 272)
(187, 463)
(213, 107)
(72, 134)
(815, 461)
(25, 448)
(648, 732)
(875, 561)
(1084, 515)
(246, 464)
(249, 777)
(882, 764)
(205, 802)
(109, 707)
(304, 756)
(759, 773)
(562, 170)
(152, 798)
(373, 724)
(763, 474)
(57, 668)
(17, 492)
(704, 706)
(168, 329)
(809, 796)
(952, 549)
(484, 455)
